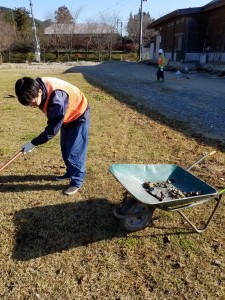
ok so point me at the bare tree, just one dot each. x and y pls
(86, 40)
(133, 28)
(101, 34)
(61, 32)
(98, 34)
(110, 21)
(147, 34)
(7, 35)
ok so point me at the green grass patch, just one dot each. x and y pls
(9, 108)
(28, 136)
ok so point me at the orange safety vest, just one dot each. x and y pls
(161, 61)
(77, 102)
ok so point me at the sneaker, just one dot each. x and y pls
(71, 190)
(63, 177)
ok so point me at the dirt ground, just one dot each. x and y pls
(196, 99)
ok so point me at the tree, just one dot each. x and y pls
(22, 19)
(8, 15)
(95, 37)
(133, 28)
(63, 15)
(23, 23)
(7, 35)
(63, 30)
(109, 21)
(102, 33)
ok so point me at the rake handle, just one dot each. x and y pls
(11, 160)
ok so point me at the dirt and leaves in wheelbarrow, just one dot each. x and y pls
(164, 186)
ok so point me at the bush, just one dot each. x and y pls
(19, 57)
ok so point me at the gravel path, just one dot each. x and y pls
(198, 99)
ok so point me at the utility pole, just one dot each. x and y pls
(121, 29)
(140, 37)
(37, 47)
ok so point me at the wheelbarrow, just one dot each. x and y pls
(138, 206)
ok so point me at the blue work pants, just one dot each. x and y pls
(74, 144)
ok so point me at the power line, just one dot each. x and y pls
(118, 4)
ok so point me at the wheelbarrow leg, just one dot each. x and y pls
(209, 220)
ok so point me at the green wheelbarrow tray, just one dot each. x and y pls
(132, 177)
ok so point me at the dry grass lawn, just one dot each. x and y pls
(58, 247)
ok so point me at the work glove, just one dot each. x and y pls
(28, 147)
(161, 68)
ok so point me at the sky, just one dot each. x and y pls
(90, 9)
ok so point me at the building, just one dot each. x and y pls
(192, 34)
(80, 36)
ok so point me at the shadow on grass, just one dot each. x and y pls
(95, 75)
(50, 229)
(41, 231)
(21, 183)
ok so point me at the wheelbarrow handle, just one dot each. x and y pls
(221, 192)
(11, 160)
(198, 161)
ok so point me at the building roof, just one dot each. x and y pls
(175, 13)
(214, 4)
(187, 11)
(79, 28)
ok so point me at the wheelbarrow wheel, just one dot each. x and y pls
(137, 215)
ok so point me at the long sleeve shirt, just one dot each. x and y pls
(57, 107)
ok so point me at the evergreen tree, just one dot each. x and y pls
(23, 23)
(22, 19)
(63, 15)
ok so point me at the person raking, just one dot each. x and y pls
(67, 110)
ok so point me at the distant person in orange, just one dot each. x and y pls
(67, 110)
(161, 64)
